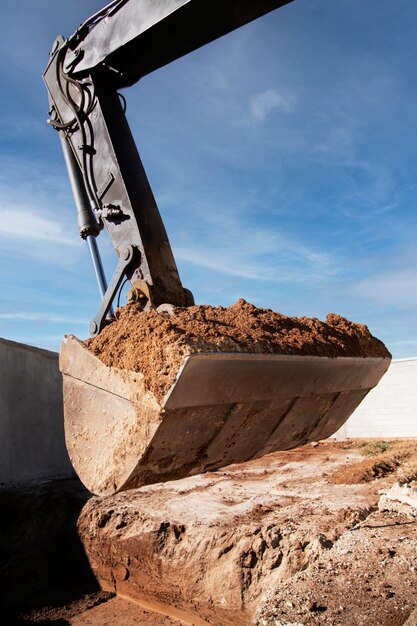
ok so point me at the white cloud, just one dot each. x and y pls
(20, 222)
(258, 255)
(404, 342)
(395, 288)
(40, 317)
(263, 103)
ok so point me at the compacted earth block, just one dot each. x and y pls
(296, 538)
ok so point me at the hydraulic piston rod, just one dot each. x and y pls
(87, 224)
(98, 266)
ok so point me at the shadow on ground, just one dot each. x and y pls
(42, 561)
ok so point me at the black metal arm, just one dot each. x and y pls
(137, 37)
(114, 48)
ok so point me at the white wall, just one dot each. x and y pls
(390, 409)
(32, 445)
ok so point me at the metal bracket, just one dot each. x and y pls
(99, 321)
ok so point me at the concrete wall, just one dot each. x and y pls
(390, 409)
(31, 415)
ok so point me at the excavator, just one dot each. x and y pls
(222, 408)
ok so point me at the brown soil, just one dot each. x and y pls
(49, 614)
(157, 344)
(366, 578)
(98, 609)
(121, 612)
(397, 456)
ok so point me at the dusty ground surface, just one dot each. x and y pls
(293, 538)
(97, 609)
(157, 344)
(121, 612)
(368, 577)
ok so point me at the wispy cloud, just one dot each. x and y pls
(262, 104)
(396, 288)
(22, 223)
(404, 342)
(41, 317)
(236, 248)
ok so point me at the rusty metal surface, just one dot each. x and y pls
(223, 408)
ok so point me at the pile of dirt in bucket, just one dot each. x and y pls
(156, 344)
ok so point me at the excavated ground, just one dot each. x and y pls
(295, 538)
(156, 344)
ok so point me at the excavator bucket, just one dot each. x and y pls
(223, 408)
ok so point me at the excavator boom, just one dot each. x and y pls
(136, 37)
(112, 49)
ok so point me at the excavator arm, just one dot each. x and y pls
(112, 49)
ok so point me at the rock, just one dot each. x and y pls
(399, 498)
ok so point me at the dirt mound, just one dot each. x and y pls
(365, 471)
(393, 458)
(157, 344)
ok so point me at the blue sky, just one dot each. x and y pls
(282, 158)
